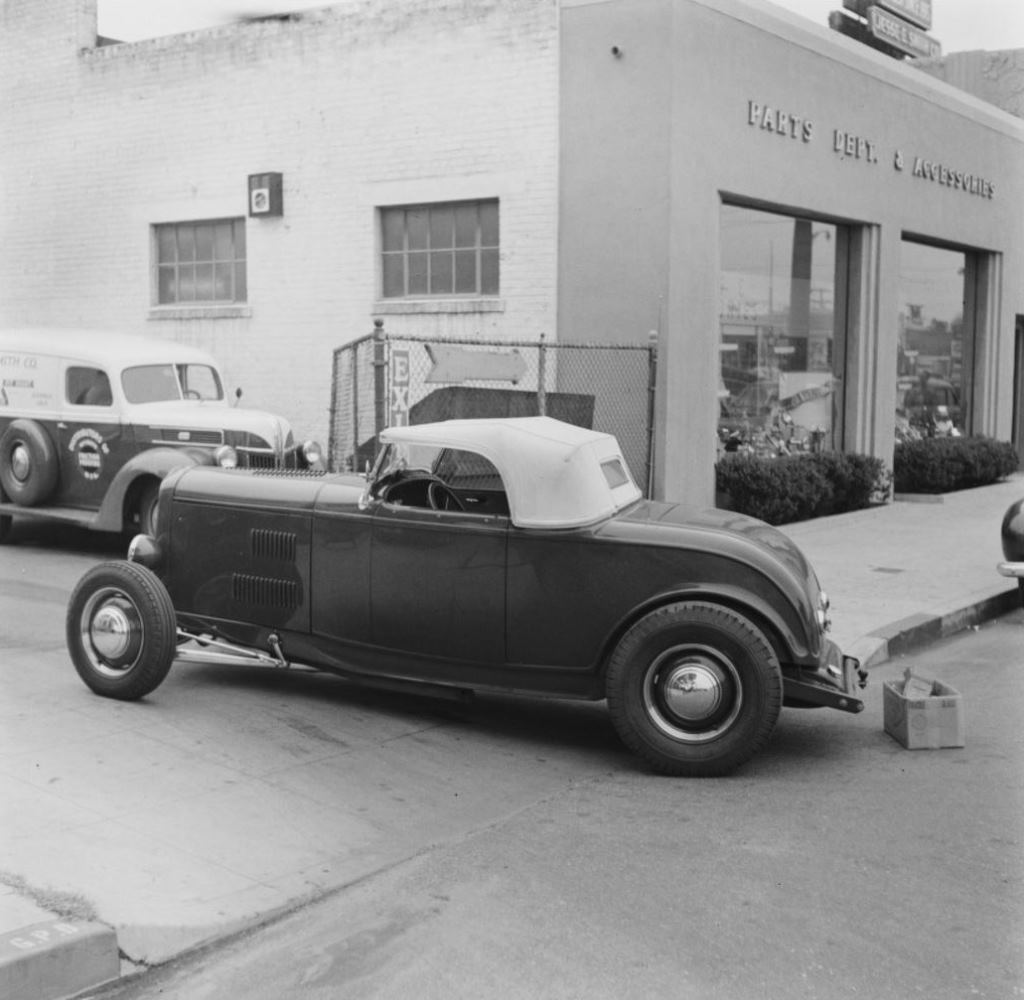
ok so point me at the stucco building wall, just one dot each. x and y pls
(688, 104)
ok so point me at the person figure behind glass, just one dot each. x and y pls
(921, 395)
(921, 401)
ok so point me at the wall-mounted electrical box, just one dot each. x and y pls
(265, 194)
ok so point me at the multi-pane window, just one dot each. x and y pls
(442, 249)
(201, 261)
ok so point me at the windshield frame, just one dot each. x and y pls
(152, 382)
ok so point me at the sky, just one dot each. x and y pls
(958, 25)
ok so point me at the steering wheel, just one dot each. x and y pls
(442, 497)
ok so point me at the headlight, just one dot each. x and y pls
(226, 457)
(824, 621)
(313, 454)
(146, 551)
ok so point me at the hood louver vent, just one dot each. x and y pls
(272, 544)
(264, 592)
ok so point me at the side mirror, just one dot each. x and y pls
(238, 396)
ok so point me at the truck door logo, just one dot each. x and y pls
(88, 447)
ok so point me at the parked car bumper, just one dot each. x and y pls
(833, 684)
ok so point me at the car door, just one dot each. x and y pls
(92, 441)
(437, 582)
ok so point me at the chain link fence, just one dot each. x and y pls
(381, 380)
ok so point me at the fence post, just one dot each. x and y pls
(332, 432)
(380, 381)
(652, 385)
(542, 391)
(354, 364)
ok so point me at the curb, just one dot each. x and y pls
(911, 633)
(57, 958)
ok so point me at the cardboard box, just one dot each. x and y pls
(923, 721)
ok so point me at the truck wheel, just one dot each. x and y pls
(28, 463)
(695, 689)
(121, 630)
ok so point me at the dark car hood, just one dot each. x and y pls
(705, 520)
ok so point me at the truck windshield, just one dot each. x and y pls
(157, 383)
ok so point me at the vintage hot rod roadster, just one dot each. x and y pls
(512, 555)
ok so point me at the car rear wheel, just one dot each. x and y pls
(695, 689)
(28, 463)
(121, 630)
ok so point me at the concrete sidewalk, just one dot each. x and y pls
(92, 887)
(913, 570)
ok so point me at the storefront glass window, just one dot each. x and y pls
(930, 352)
(779, 365)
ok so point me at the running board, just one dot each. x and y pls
(207, 650)
(67, 515)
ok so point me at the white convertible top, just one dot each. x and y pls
(556, 475)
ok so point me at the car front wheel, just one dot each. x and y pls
(121, 630)
(694, 688)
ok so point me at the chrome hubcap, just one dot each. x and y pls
(112, 632)
(21, 462)
(692, 693)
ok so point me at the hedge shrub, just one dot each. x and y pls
(799, 487)
(942, 465)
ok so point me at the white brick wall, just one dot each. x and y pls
(367, 103)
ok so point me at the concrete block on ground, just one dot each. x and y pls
(57, 958)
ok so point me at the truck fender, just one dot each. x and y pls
(155, 463)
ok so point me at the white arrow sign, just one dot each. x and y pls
(459, 364)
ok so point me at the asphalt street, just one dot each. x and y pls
(836, 865)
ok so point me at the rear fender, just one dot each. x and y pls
(154, 463)
(789, 637)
